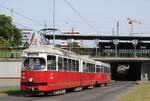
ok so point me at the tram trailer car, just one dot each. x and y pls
(103, 75)
(51, 70)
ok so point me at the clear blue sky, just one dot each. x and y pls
(101, 14)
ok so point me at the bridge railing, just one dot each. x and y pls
(128, 53)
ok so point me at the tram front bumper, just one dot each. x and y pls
(30, 86)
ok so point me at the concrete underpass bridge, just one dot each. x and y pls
(128, 68)
(129, 56)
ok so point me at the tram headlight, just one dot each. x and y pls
(30, 79)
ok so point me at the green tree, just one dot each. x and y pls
(3, 43)
(9, 33)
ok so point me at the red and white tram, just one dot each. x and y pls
(49, 69)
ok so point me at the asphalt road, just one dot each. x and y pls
(109, 93)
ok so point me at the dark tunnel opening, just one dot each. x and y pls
(126, 71)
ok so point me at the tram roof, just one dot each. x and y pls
(50, 49)
(99, 62)
(87, 59)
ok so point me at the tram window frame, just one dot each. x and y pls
(53, 63)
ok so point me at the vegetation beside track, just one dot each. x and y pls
(10, 91)
(10, 53)
(140, 93)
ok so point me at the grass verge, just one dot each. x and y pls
(140, 93)
(10, 91)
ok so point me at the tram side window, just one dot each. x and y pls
(77, 66)
(93, 68)
(88, 67)
(65, 64)
(109, 71)
(98, 69)
(51, 62)
(73, 65)
(84, 67)
(60, 64)
(69, 64)
(105, 71)
(102, 68)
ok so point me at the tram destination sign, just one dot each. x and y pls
(33, 54)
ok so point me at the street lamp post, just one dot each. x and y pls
(116, 41)
(135, 42)
(96, 42)
(70, 43)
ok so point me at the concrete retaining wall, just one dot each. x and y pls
(145, 71)
(10, 69)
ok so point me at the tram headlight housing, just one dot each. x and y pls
(23, 76)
